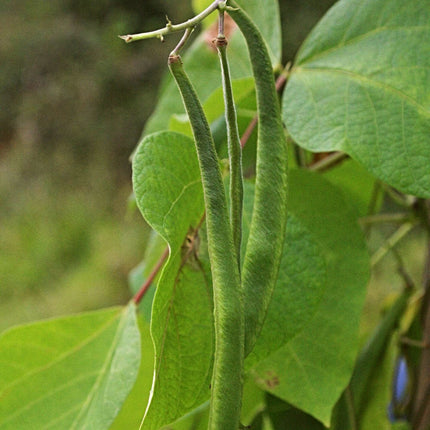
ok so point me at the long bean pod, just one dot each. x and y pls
(228, 307)
(234, 148)
(267, 232)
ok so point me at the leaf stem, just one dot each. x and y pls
(328, 162)
(421, 407)
(144, 288)
(391, 242)
(171, 28)
(183, 41)
(385, 218)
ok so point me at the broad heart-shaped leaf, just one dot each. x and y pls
(311, 370)
(202, 55)
(166, 180)
(361, 84)
(69, 373)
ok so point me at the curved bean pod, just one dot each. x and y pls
(267, 232)
(228, 307)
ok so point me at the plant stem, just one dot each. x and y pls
(328, 162)
(225, 405)
(144, 288)
(385, 218)
(183, 41)
(233, 140)
(171, 28)
(421, 407)
(352, 414)
(374, 348)
(398, 235)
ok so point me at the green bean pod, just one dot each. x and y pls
(228, 307)
(234, 149)
(267, 231)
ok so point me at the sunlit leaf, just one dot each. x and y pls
(361, 83)
(311, 370)
(68, 373)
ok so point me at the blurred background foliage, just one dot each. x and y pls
(73, 102)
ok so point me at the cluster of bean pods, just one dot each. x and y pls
(241, 297)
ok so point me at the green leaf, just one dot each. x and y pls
(155, 249)
(361, 85)
(266, 16)
(311, 370)
(130, 415)
(378, 394)
(167, 185)
(298, 290)
(68, 373)
(199, 6)
(195, 420)
(357, 184)
(168, 191)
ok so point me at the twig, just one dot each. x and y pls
(144, 288)
(421, 409)
(384, 218)
(352, 415)
(376, 191)
(171, 28)
(328, 162)
(398, 235)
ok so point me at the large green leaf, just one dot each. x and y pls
(311, 370)
(130, 415)
(166, 179)
(299, 288)
(357, 184)
(68, 373)
(361, 84)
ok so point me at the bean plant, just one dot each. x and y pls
(273, 192)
